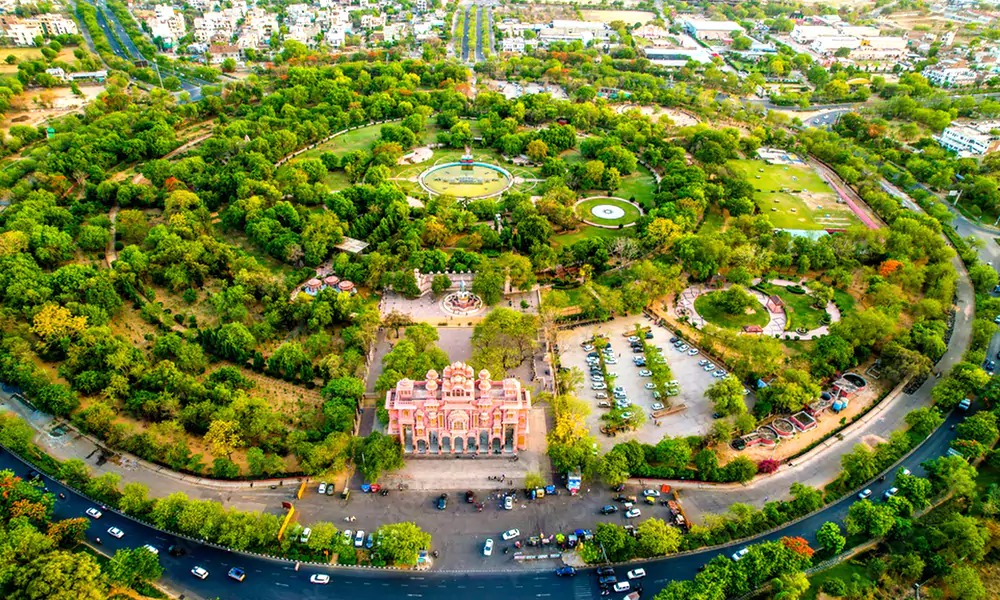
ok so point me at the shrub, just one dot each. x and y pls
(835, 586)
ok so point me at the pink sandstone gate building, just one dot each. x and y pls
(456, 413)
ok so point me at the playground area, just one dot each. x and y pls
(794, 196)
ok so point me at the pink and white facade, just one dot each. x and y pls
(456, 413)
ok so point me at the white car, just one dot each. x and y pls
(633, 338)
(626, 415)
(650, 386)
(488, 547)
(657, 406)
(637, 573)
(904, 471)
(741, 553)
(510, 534)
(508, 504)
(322, 488)
(359, 538)
(305, 535)
(693, 352)
(601, 395)
(598, 386)
(116, 533)
(652, 493)
(622, 586)
(199, 573)
(709, 367)
(611, 361)
(645, 373)
(152, 549)
(320, 578)
(702, 362)
(635, 512)
(348, 534)
(865, 494)
(619, 389)
(93, 512)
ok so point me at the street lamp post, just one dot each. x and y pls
(916, 586)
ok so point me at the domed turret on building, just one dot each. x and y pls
(455, 413)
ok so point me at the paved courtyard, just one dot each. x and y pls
(428, 309)
(693, 380)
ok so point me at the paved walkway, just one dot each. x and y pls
(775, 325)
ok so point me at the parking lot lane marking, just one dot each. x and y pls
(543, 595)
(282, 584)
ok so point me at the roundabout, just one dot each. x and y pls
(608, 212)
(466, 179)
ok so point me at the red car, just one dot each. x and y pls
(375, 487)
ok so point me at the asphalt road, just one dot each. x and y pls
(479, 35)
(465, 35)
(269, 579)
(826, 119)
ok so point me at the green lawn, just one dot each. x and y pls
(337, 180)
(707, 307)
(585, 232)
(798, 307)
(844, 570)
(844, 301)
(794, 197)
(631, 212)
(713, 222)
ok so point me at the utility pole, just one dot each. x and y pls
(916, 586)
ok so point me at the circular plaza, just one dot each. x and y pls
(608, 212)
(465, 179)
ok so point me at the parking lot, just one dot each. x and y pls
(693, 379)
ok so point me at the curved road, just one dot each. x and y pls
(269, 579)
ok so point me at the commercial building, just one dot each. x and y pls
(711, 30)
(950, 76)
(971, 139)
(677, 57)
(457, 413)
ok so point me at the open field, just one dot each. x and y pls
(629, 213)
(22, 54)
(585, 232)
(629, 17)
(794, 196)
(36, 106)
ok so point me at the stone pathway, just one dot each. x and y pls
(775, 326)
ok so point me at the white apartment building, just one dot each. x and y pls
(950, 76)
(574, 31)
(829, 45)
(421, 5)
(335, 37)
(971, 139)
(512, 44)
(24, 33)
(807, 34)
(56, 24)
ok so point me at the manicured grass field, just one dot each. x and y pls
(583, 210)
(707, 307)
(798, 307)
(638, 187)
(585, 232)
(845, 571)
(777, 198)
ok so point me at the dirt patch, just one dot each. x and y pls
(679, 118)
(34, 107)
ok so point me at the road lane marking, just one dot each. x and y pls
(281, 584)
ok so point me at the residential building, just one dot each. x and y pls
(950, 76)
(651, 32)
(372, 21)
(217, 53)
(971, 139)
(828, 45)
(712, 30)
(584, 32)
(512, 44)
(23, 33)
(56, 24)
(457, 413)
(421, 5)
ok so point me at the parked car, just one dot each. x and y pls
(904, 471)
(508, 503)
(601, 395)
(608, 579)
(488, 547)
(153, 549)
(322, 487)
(740, 553)
(566, 572)
(359, 538)
(627, 415)
(693, 352)
(865, 494)
(348, 535)
(320, 579)
(598, 386)
(650, 386)
(116, 533)
(237, 573)
(709, 367)
(702, 362)
(636, 573)
(603, 571)
(329, 490)
(93, 512)
(635, 512)
(889, 493)
(645, 373)
(603, 404)
(622, 586)
(657, 406)
(510, 534)
(442, 502)
(200, 573)
(610, 509)
(370, 541)
(470, 496)
(651, 492)
(305, 535)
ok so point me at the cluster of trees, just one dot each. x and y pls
(42, 554)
